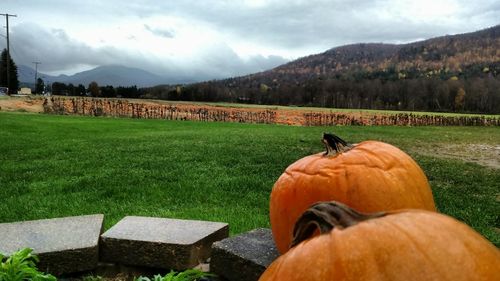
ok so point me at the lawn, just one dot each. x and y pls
(53, 166)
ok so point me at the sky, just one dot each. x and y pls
(208, 39)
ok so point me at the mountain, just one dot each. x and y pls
(114, 75)
(451, 53)
(449, 73)
(26, 75)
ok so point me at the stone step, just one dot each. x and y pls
(244, 257)
(64, 245)
(161, 242)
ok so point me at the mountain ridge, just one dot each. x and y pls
(448, 53)
(114, 75)
(442, 48)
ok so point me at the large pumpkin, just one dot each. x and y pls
(370, 176)
(397, 245)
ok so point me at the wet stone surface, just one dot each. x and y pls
(161, 242)
(64, 245)
(244, 257)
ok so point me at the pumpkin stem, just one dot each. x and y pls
(325, 216)
(334, 145)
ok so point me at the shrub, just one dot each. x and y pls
(188, 275)
(21, 266)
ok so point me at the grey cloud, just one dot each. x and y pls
(30, 42)
(485, 9)
(295, 25)
(221, 60)
(57, 51)
(160, 32)
(324, 23)
(331, 23)
(263, 63)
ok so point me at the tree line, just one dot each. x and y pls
(475, 94)
(94, 90)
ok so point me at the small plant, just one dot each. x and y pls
(21, 266)
(187, 275)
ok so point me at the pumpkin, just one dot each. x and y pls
(370, 176)
(393, 246)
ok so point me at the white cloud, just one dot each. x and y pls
(212, 39)
(190, 59)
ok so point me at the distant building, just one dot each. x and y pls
(24, 91)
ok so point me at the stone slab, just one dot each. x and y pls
(64, 245)
(244, 257)
(161, 242)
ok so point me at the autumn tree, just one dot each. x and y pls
(93, 89)
(460, 99)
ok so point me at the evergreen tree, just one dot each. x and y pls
(80, 90)
(59, 88)
(40, 86)
(14, 82)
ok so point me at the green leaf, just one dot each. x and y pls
(170, 276)
(21, 266)
(187, 275)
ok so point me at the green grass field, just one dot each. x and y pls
(53, 166)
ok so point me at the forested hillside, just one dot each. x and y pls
(458, 73)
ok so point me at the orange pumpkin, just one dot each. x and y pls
(392, 246)
(370, 176)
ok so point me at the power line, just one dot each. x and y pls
(14, 54)
(8, 48)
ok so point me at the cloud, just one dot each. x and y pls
(58, 51)
(320, 24)
(216, 39)
(160, 32)
(224, 62)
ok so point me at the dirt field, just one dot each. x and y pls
(482, 154)
(22, 104)
(35, 105)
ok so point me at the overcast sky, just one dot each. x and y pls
(215, 39)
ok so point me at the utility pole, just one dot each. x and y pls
(8, 48)
(36, 73)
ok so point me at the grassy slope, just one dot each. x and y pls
(53, 166)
